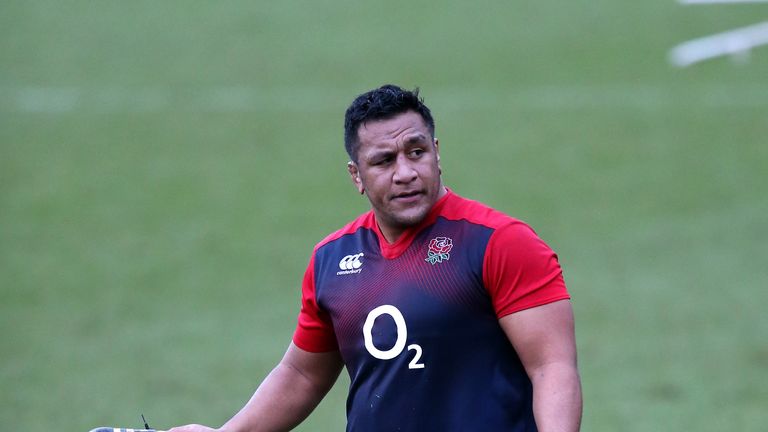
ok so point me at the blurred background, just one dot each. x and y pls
(167, 167)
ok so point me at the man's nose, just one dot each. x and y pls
(404, 171)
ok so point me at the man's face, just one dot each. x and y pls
(398, 170)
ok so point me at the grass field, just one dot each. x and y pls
(166, 168)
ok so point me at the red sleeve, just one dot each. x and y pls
(520, 271)
(314, 332)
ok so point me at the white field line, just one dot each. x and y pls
(734, 42)
(61, 100)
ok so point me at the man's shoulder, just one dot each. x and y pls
(364, 221)
(507, 230)
(476, 212)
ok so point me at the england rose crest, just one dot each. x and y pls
(439, 248)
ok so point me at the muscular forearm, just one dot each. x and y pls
(557, 397)
(286, 396)
(282, 401)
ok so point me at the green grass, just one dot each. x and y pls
(166, 168)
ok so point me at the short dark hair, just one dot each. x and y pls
(382, 103)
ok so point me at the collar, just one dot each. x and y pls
(394, 250)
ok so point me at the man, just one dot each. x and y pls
(448, 315)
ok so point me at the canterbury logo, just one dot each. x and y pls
(350, 264)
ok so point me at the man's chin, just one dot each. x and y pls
(411, 217)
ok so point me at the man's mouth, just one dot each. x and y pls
(407, 196)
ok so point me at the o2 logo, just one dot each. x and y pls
(402, 335)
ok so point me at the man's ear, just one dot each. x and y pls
(354, 174)
(437, 151)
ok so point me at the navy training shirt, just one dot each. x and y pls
(416, 321)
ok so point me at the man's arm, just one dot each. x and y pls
(286, 396)
(545, 342)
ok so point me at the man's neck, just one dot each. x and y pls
(393, 233)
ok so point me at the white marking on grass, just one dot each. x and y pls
(244, 99)
(629, 96)
(47, 99)
(117, 99)
(737, 43)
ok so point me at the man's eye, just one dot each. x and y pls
(417, 152)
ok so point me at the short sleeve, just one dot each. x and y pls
(314, 331)
(520, 271)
